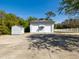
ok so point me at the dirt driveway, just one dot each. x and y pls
(28, 46)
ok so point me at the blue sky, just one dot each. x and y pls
(35, 8)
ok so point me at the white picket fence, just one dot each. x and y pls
(68, 30)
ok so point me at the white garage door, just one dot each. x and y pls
(17, 30)
(46, 29)
(36, 28)
(33, 28)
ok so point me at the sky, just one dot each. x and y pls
(35, 8)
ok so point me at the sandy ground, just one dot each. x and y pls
(17, 47)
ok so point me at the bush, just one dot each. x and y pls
(4, 30)
(27, 29)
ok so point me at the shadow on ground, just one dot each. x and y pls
(46, 41)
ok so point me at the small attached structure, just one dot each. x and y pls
(42, 26)
(17, 30)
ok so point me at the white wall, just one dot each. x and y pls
(48, 28)
(33, 27)
(17, 30)
(67, 30)
(52, 28)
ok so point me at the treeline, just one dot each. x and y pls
(69, 23)
(7, 20)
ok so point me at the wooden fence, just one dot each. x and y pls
(68, 30)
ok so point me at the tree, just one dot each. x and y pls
(58, 26)
(71, 23)
(7, 20)
(2, 16)
(11, 19)
(69, 6)
(31, 18)
(50, 14)
(4, 30)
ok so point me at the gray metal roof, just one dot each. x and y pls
(42, 21)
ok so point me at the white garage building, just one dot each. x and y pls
(41, 26)
(17, 30)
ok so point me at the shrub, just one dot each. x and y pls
(4, 30)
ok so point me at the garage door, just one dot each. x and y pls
(33, 28)
(46, 29)
(17, 30)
